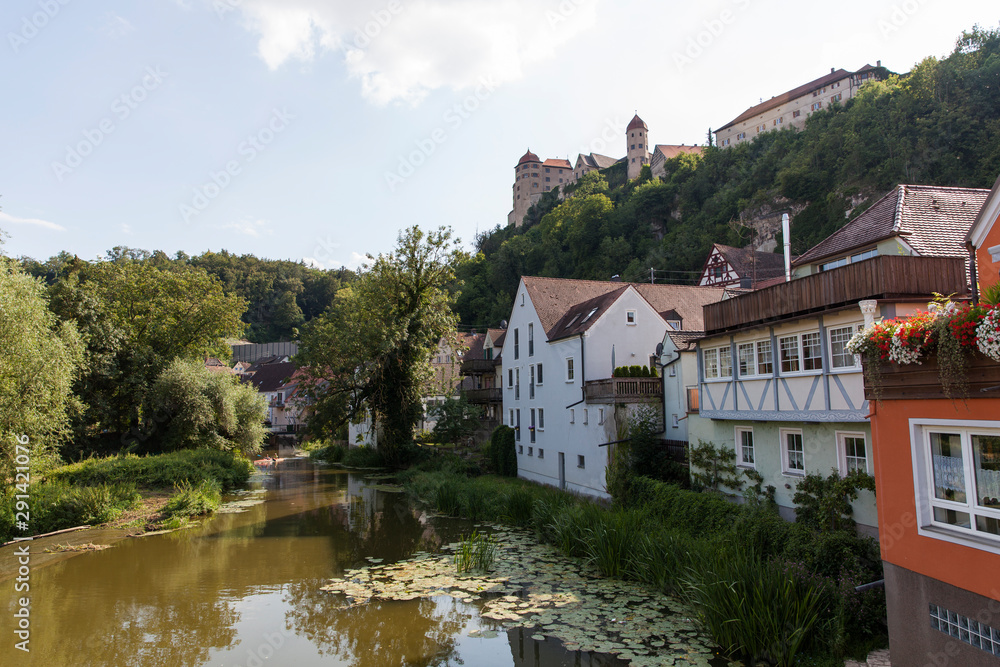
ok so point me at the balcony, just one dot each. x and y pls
(476, 366)
(624, 390)
(886, 277)
(482, 396)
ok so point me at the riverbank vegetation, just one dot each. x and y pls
(100, 490)
(730, 563)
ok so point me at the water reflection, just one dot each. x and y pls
(243, 589)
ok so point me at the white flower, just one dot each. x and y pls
(988, 335)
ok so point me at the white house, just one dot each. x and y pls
(563, 342)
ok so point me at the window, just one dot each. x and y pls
(812, 352)
(816, 106)
(960, 466)
(531, 450)
(531, 382)
(547, 170)
(744, 447)
(796, 113)
(517, 384)
(517, 425)
(510, 378)
(531, 339)
(531, 427)
(839, 356)
(675, 421)
(867, 254)
(802, 352)
(725, 362)
(673, 371)
(520, 449)
(792, 455)
(569, 369)
(600, 416)
(586, 416)
(851, 453)
(541, 453)
(632, 148)
(765, 362)
(539, 373)
(710, 360)
(572, 415)
(541, 419)
(630, 317)
(517, 345)
(511, 421)
(581, 462)
(745, 359)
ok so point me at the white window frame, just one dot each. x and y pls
(800, 354)
(740, 348)
(600, 416)
(531, 339)
(541, 453)
(581, 461)
(770, 356)
(923, 483)
(538, 382)
(856, 365)
(570, 370)
(715, 372)
(786, 468)
(517, 429)
(740, 458)
(541, 419)
(842, 450)
(630, 317)
(586, 416)
(572, 415)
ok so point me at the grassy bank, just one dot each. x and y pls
(763, 588)
(102, 490)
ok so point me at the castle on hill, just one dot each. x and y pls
(534, 177)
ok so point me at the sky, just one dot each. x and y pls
(316, 130)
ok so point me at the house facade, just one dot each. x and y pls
(563, 342)
(777, 385)
(727, 266)
(482, 382)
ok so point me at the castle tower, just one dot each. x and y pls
(637, 145)
(527, 187)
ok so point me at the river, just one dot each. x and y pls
(244, 589)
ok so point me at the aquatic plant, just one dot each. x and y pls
(477, 552)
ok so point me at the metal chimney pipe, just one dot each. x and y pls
(786, 236)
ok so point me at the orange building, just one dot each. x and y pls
(937, 471)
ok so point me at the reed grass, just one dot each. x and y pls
(477, 552)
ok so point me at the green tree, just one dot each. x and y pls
(136, 319)
(192, 407)
(41, 358)
(455, 418)
(372, 349)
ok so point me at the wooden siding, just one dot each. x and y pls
(624, 390)
(480, 396)
(882, 277)
(477, 366)
(921, 381)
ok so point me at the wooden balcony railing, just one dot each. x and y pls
(882, 277)
(624, 390)
(480, 396)
(476, 366)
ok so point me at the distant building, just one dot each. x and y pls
(790, 109)
(533, 177)
(727, 266)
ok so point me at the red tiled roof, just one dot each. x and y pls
(562, 164)
(783, 98)
(556, 300)
(528, 157)
(270, 377)
(769, 264)
(636, 122)
(670, 151)
(930, 219)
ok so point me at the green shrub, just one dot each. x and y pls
(58, 505)
(189, 500)
(518, 503)
(193, 466)
(447, 498)
(364, 456)
(609, 541)
(503, 451)
(333, 453)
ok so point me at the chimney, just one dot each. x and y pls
(616, 278)
(832, 70)
(786, 237)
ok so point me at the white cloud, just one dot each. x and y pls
(116, 26)
(254, 228)
(10, 219)
(126, 228)
(401, 50)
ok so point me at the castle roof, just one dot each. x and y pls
(783, 98)
(669, 151)
(562, 164)
(636, 122)
(528, 157)
(598, 161)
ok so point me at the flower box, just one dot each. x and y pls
(922, 381)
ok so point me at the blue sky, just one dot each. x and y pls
(316, 129)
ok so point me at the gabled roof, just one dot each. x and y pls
(597, 161)
(932, 220)
(783, 98)
(768, 264)
(475, 343)
(270, 377)
(669, 151)
(561, 164)
(986, 217)
(685, 340)
(557, 300)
